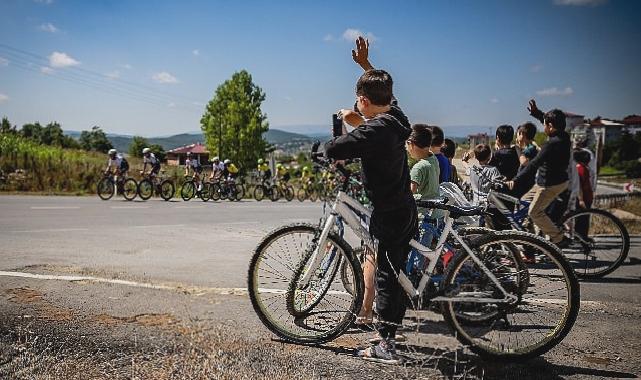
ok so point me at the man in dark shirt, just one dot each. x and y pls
(552, 176)
(505, 157)
(379, 140)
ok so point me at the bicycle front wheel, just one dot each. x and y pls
(301, 194)
(275, 263)
(531, 323)
(130, 189)
(167, 189)
(145, 189)
(188, 190)
(105, 189)
(600, 242)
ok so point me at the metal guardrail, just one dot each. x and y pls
(614, 200)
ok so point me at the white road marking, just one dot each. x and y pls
(159, 225)
(55, 207)
(188, 207)
(128, 207)
(51, 230)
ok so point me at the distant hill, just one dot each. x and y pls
(273, 136)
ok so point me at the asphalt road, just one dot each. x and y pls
(207, 246)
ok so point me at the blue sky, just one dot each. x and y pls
(148, 67)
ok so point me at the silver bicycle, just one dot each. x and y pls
(306, 283)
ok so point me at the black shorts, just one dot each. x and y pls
(198, 169)
(155, 169)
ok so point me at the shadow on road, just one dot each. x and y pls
(613, 280)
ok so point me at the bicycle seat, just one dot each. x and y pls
(455, 211)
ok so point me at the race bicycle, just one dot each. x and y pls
(110, 185)
(159, 185)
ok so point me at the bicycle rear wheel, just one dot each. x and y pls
(600, 242)
(274, 193)
(259, 193)
(130, 189)
(188, 190)
(273, 266)
(105, 188)
(288, 192)
(145, 189)
(204, 193)
(301, 194)
(167, 189)
(531, 325)
(240, 192)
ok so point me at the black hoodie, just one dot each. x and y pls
(380, 144)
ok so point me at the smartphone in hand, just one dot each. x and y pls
(337, 125)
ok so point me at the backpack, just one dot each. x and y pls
(124, 165)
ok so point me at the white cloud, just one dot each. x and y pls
(580, 3)
(113, 74)
(195, 52)
(553, 91)
(49, 28)
(4, 61)
(126, 66)
(46, 70)
(164, 77)
(328, 37)
(494, 100)
(352, 34)
(536, 68)
(3, 98)
(58, 60)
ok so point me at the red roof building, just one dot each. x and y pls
(198, 151)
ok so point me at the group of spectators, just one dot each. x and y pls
(382, 137)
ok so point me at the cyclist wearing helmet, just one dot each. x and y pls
(263, 170)
(231, 171)
(117, 163)
(282, 173)
(217, 168)
(149, 158)
(194, 165)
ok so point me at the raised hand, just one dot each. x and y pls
(361, 54)
(532, 107)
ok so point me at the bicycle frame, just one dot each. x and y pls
(346, 208)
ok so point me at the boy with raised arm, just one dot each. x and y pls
(378, 138)
(552, 176)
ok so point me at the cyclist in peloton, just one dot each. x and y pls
(264, 172)
(117, 163)
(230, 170)
(217, 168)
(192, 164)
(149, 158)
(282, 173)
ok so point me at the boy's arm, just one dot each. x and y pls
(534, 163)
(360, 55)
(535, 111)
(358, 143)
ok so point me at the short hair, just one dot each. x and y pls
(437, 135)
(482, 152)
(505, 134)
(375, 85)
(581, 156)
(556, 117)
(449, 148)
(421, 135)
(528, 129)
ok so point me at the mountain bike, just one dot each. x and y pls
(306, 284)
(110, 185)
(600, 241)
(161, 186)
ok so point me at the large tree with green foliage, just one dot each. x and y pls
(6, 127)
(95, 140)
(233, 123)
(139, 143)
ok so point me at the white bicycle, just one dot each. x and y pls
(306, 283)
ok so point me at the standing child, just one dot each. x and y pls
(481, 176)
(449, 151)
(585, 195)
(505, 157)
(438, 138)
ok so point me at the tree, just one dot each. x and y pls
(32, 131)
(95, 139)
(6, 127)
(233, 123)
(137, 145)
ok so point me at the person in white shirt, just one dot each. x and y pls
(116, 163)
(149, 158)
